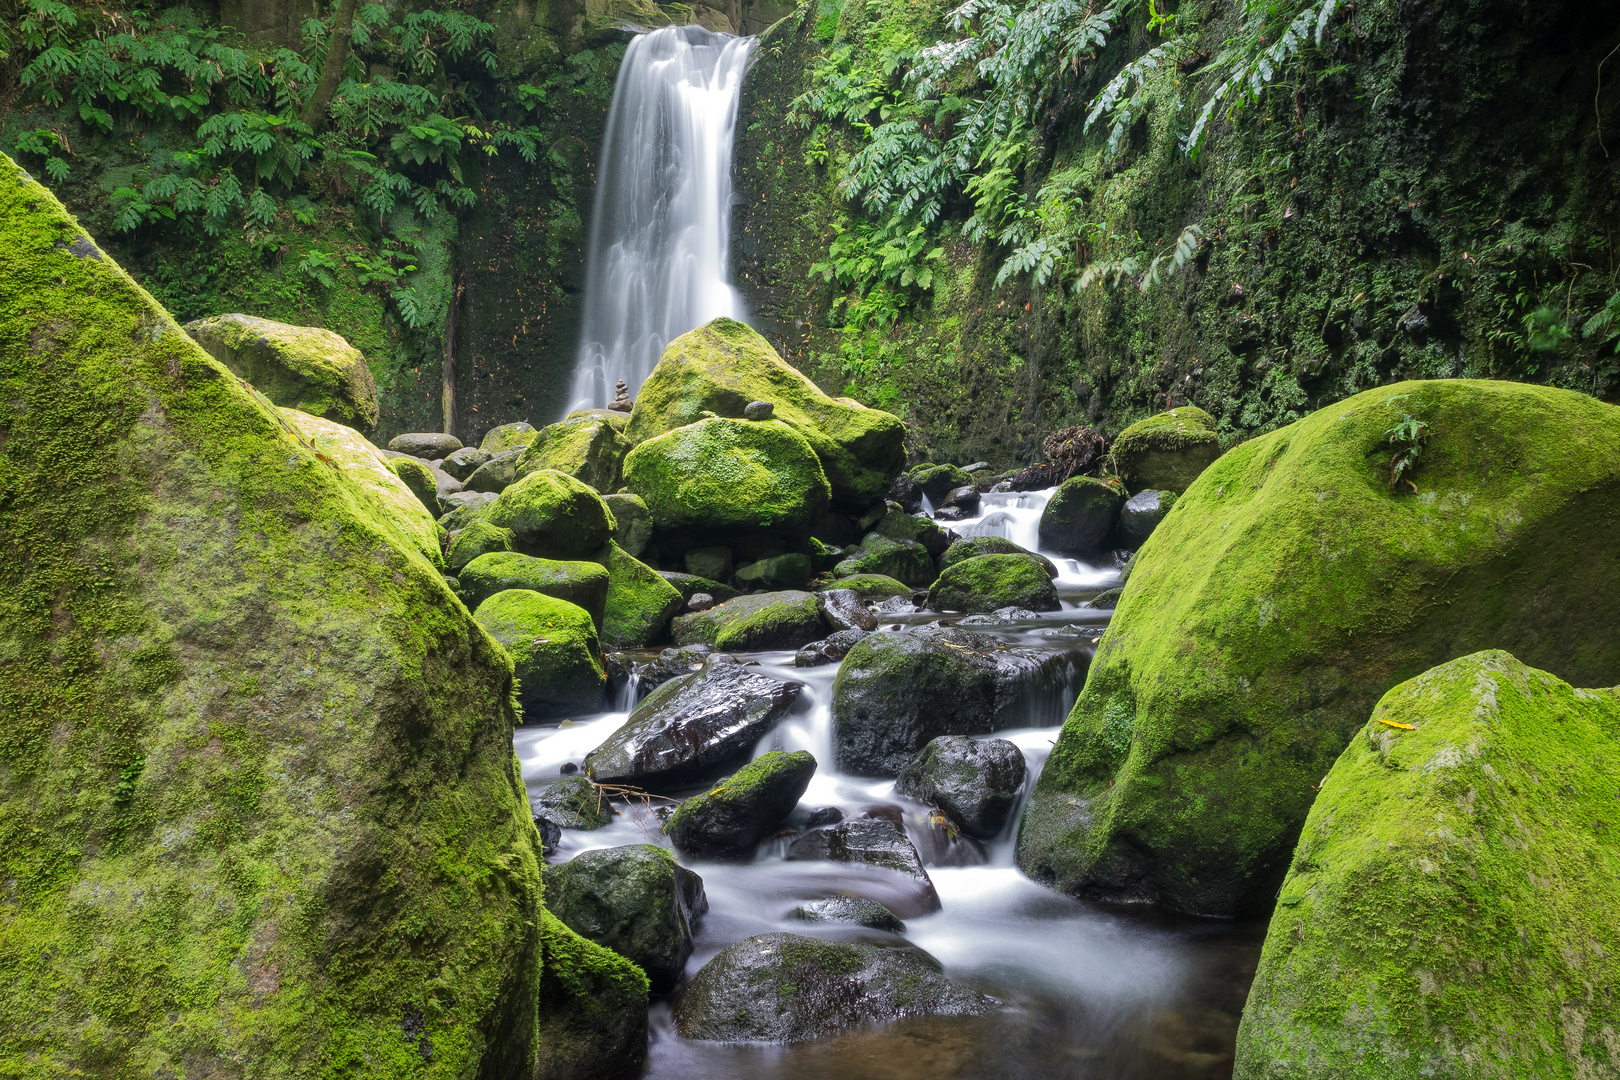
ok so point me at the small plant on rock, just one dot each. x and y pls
(1407, 437)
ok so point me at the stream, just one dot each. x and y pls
(1086, 991)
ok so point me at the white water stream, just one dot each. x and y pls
(657, 264)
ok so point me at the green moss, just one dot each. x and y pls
(592, 1006)
(719, 477)
(515, 436)
(779, 620)
(1079, 517)
(554, 648)
(722, 366)
(257, 792)
(987, 582)
(936, 480)
(419, 479)
(903, 560)
(583, 584)
(899, 525)
(584, 445)
(1291, 587)
(1166, 452)
(479, 538)
(640, 603)
(791, 571)
(301, 367)
(1451, 899)
(872, 586)
(632, 522)
(729, 820)
(974, 546)
(552, 516)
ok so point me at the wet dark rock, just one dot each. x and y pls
(965, 497)
(574, 803)
(827, 815)
(774, 620)
(829, 650)
(1001, 615)
(834, 529)
(941, 842)
(954, 513)
(878, 843)
(790, 571)
(788, 988)
(568, 768)
(550, 833)
(701, 601)
(1142, 513)
(635, 900)
(693, 728)
(898, 605)
(758, 410)
(976, 784)
(1108, 599)
(669, 664)
(905, 491)
(843, 609)
(851, 909)
(729, 820)
(1080, 516)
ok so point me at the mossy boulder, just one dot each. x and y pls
(1166, 452)
(507, 437)
(593, 1008)
(689, 585)
(899, 525)
(987, 582)
(903, 560)
(936, 481)
(583, 584)
(418, 480)
(974, 546)
(370, 477)
(722, 366)
(573, 802)
(1079, 517)
(632, 522)
(462, 463)
(730, 819)
(1290, 588)
(640, 602)
(300, 367)
(1453, 892)
(586, 446)
(555, 652)
(478, 538)
(778, 620)
(552, 516)
(872, 586)
(729, 481)
(790, 571)
(497, 474)
(253, 745)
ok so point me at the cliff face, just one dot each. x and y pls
(1424, 196)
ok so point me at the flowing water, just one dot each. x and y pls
(1086, 992)
(657, 262)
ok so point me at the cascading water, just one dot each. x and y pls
(657, 263)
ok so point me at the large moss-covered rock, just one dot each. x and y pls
(1166, 452)
(779, 620)
(722, 366)
(729, 481)
(729, 820)
(478, 538)
(1292, 586)
(554, 648)
(593, 1008)
(552, 516)
(987, 582)
(1079, 517)
(586, 446)
(872, 586)
(904, 560)
(640, 602)
(301, 367)
(1450, 908)
(258, 787)
(583, 584)
(632, 522)
(505, 438)
(419, 480)
(899, 525)
(369, 475)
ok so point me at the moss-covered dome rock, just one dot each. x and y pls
(583, 584)
(640, 602)
(1450, 909)
(556, 654)
(1080, 516)
(418, 479)
(259, 789)
(479, 537)
(723, 365)
(904, 560)
(1290, 588)
(312, 370)
(985, 583)
(721, 481)
(585, 445)
(552, 516)
(372, 478)
(1166, 452)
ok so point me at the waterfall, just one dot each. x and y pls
(657, 264)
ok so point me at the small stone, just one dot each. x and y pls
(758, 410)
(699, 602)
(550, 833)
(827, 815)
(845, 610)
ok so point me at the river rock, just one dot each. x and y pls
(583, 584)
(587, 446)
(573, 802)
(419, 478)
(635, 900)
(974, 546)
(688, 585)
(751, 486)
(1166, 452)
(721, 367)
(829, 650)
(670, 664)
(462, 463)
(1444, 810)
(497, 474)
(640, 603)
(504, 438)
(1108, 599)
(856, 910)
(875, 842)
(843, 609)
(464, 506)
(711, 563)
(936, 481)
(758, 410)
(276, 731)
(552, 516)
(988, 582)
(872, 587)
(298, 367)
(904, 560)
(1347, 586)
(903, 490)
(964, 498)
(1080, 516)
(694, 728)
(976, 783)
(427, 445)
(632, 523)
(478, 538)
(779, 620)
(729, 820)
(1142, 513)
(897, 524)
(592, 1008)
(790, 571)
(550, 834)
(555, 652)
(789, 988)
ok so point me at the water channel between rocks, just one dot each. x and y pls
(1086, 991)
